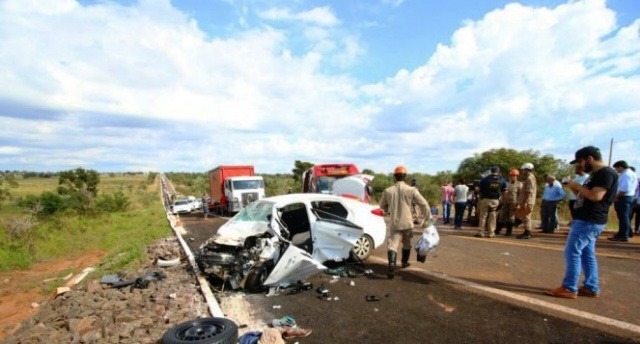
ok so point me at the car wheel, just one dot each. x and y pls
(363, 247)
(256, 277)
(201, 331)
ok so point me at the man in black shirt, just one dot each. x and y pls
(591, 211)
(491, 189)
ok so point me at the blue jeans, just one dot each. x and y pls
(459, 213)
(580, 251)
(623, 210)
(446, 211)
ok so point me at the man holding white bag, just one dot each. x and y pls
(397, 201)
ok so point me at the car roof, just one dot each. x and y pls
(304, 197)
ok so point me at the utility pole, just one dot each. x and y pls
(610, 150)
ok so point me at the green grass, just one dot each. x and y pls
(122, 236)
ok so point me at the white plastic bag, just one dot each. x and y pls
(428, 242)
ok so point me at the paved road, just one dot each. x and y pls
(426, 303)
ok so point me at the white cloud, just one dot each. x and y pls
(322, 16)
(143, 86)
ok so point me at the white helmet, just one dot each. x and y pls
(527, 166)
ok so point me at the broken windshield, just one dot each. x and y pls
(256, 211)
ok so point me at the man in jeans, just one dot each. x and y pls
(447, 200)
(591, 212)
(627, 181)
(553, 193)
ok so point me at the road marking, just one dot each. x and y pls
(525, 299)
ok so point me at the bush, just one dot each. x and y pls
(47, 203)
(113, 202)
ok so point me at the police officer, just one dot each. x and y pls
(397, 201)
(490, 188)
(509, 202)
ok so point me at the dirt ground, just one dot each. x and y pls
(21, 292)
(412, 308)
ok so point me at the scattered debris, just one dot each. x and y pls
(167, 263)
(505, 253)
(276, 307)
(62, 290)
(79, 277)
(284, 321)
(352, 283)
(372, 298)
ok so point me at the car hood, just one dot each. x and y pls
(233, 233)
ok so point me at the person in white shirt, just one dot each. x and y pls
(460, 198)
(627, 181)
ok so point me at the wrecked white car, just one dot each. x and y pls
(281, 240)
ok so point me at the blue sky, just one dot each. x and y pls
(187, 85)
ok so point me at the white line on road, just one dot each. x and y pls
(526, 299)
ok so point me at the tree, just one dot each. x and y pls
(78, 181)
(473, 168)
(300, 167)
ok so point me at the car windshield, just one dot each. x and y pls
(325, 184)
(183, 202)
(256, 211)
(247, 184)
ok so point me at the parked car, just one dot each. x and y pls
(181, 206)
(305, 230)
(196, 203)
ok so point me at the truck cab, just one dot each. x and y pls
(241, 191)
(320, 178)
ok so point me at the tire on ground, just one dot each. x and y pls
(202, 331)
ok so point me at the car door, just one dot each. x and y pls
(333, 236)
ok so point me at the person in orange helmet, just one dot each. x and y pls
(397, 202)
(509, 202)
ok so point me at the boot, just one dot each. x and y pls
(405, 257)
(509, 228)
(525, 235)
(392, 263)
(498, 228)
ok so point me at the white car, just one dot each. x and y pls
(296, 211)
(303, 229)
(181, 206)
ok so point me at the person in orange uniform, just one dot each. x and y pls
(509, 203)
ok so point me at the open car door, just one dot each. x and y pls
(294, 265)
(333, 236)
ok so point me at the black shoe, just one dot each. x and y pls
(478, 235)
(525, 235)
(392, 264)
(618, 239)
(405, 258)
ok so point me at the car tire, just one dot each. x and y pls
(363, 247)
(202, 331)
(256, 277)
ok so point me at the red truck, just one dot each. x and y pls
(320, 178)
(233, 187)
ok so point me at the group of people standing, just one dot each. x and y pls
(593, 189)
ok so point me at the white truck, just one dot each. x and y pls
(233, 187)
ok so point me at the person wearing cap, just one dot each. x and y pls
(491, 189)
(509, 203)
(591, 212)
(526, 200)
(397, 201)
(552, 195)
(627, 181)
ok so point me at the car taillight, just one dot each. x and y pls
(377, 211)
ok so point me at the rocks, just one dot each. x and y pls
(96, 314)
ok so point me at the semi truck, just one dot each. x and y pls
(233, 187)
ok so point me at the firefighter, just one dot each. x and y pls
(509, 202)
